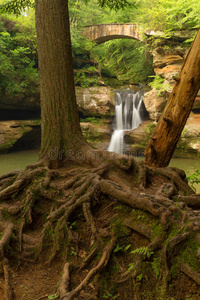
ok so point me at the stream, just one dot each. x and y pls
(19, 160)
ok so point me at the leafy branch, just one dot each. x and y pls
(114, 4)
(16, 6)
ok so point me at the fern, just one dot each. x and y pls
(155, 266)
(143, 251)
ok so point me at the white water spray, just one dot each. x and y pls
(127, 117)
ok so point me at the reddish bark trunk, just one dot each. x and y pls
(61, 131)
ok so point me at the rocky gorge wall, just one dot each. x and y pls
(167, 65)
(20, 124)
(96, 107)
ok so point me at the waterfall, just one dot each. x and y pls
(127, 116)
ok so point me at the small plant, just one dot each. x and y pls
(92, 120)
(131, 266)
(127, 247)
(71, 225)
(158, 84)
(155, 266)
(22, 125)
(55, 296)
(194, 179)
(73, 252)
(143, 251)
(117, 248)
(140, 276)
(110, 296)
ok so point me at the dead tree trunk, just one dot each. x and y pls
(170, 125)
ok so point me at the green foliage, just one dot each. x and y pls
(122, 60)
(194, 179)
(110, 296)
(155, 266)
(140, 276)
(144, 251)
(18, 72)
(16, 7)
(80, 45)
(117, 248)
(54, 296)
(72, 225)
(158, 84)
(92, 120)
(86, 77)
(126, 59)
(169, 14)
(114, 4)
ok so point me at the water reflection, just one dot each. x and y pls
(19, 160)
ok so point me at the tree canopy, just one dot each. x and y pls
(167, 15)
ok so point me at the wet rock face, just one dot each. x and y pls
(155, 103)
(95, 101)
(30, 103)
(19, 127)
(23, 132)
(167, 64)
(97, 135)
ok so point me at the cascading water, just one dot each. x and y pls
(128, 115)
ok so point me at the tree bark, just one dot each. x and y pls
(61, 133)
(170, 125)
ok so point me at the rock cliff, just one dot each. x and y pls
(98, 102)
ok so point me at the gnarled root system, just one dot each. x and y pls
(139, 225)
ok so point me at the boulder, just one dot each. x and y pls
(95, 101)
(154, 102)
(31, 102)
(12, 131)
(97, 135)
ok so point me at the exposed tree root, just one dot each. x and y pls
(102, 263)
(89, 211)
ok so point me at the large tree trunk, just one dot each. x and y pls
(170, 125)
(61, 133)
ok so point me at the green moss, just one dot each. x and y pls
(189, 253)
(6, 215)
(157, 228)
(108, 289)
(120, 229)
(150, 128)
(47, 237)
(7, 146)
(175, 268)
(140, 215)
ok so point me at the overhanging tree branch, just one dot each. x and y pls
(16, 6)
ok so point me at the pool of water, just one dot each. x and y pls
(188, 165)
(19, 160)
